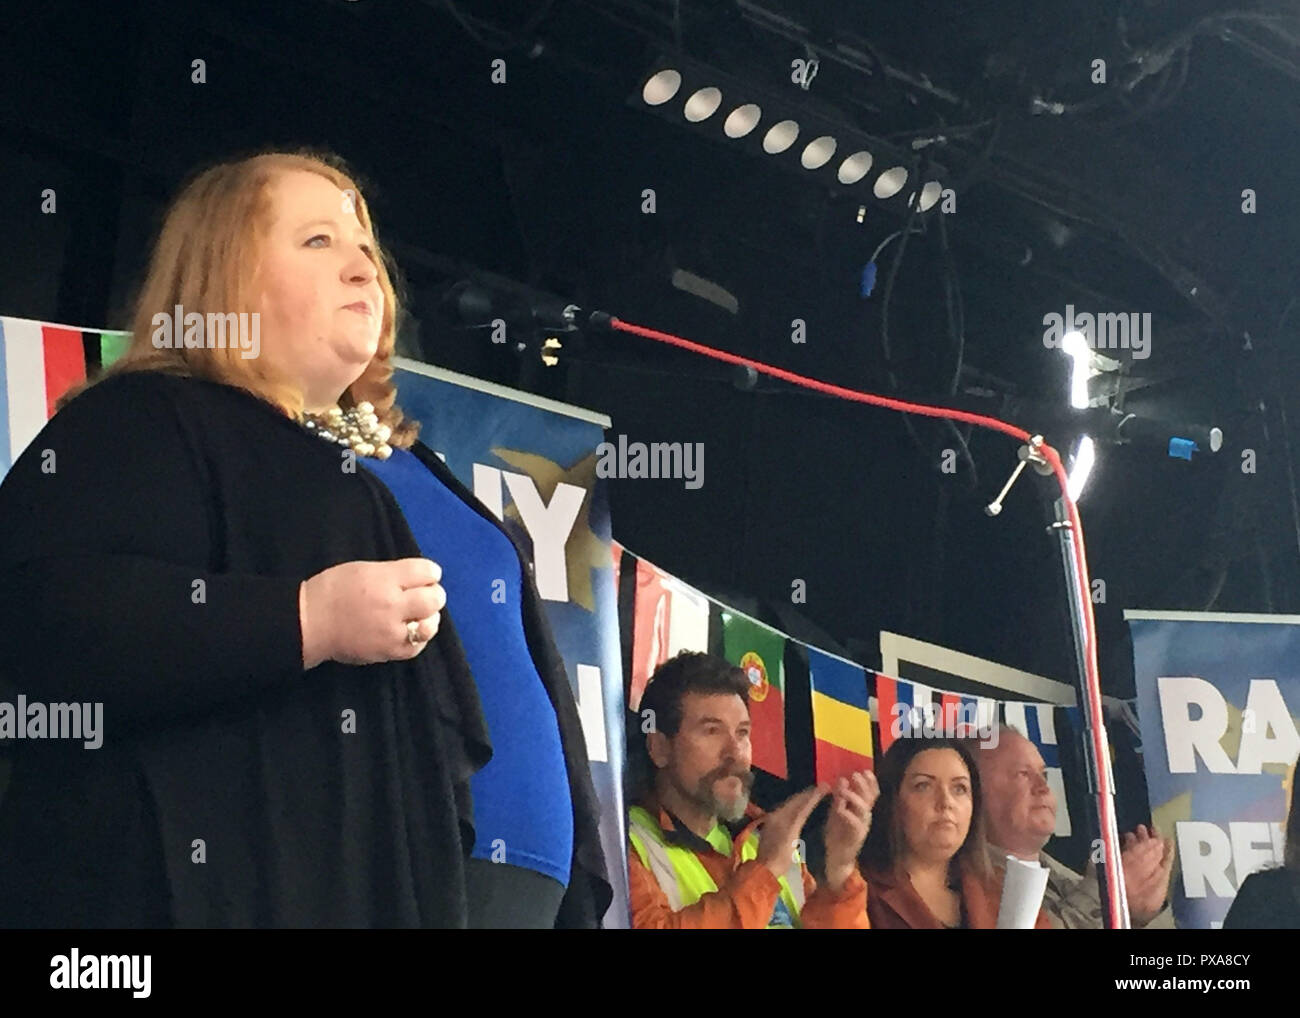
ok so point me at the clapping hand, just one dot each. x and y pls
(852, 800)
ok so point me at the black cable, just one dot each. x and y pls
(957, 332)
(1156, 59)
(955, 131)
(884, 331)
(888, 292)
(1167, 90)
(957, 320)
(981, 161)
(513, 39)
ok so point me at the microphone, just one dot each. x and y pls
(480, 304)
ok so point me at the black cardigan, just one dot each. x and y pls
(1267, 900)
(227, 792)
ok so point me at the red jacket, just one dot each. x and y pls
(894, 904)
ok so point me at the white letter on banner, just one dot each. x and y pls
(1198, 867)
(487, 488)
(591, 711)
(1186, 736)
(549, 526)
(1270, 712)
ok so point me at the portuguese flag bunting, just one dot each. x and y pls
(759, 652)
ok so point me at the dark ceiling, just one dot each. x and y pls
(1123, 196)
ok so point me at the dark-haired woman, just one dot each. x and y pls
(925, 859)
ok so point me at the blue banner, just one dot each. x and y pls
(1217, 699)
(533, 463)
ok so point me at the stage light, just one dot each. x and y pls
(854, 168)
(780, 137)
(1084, 458)
(1080, 355)
(758, 121)
(662, 87)
(703, 104)
(890, 182)
(817, 153)
(930, 194)
(742, 120)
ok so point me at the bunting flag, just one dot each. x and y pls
(847, 700)
(38, 364)
(759, 651)
(964, 716)
(111, 346)
(669, 617)
(841, 717)
(1037, 723)
(896, 698)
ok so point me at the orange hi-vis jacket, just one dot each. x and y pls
(747, 892)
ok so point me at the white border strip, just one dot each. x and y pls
(894, 648)
(493, 389)
(1146, 616)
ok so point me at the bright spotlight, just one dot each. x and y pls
(661, 87)
(854, 168)
(780, 137)
(1084, 457)
(890, 182)
(703, 104)
(817, 153)
(930, 194)
(1080, 354)
(742, 120)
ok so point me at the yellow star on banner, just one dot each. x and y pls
(584, 551)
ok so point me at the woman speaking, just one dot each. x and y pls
(242, 552)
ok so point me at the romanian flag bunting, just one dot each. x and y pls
(841, 718)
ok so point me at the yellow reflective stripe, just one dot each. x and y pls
(791, 881)
(720, 839)
(691, 877)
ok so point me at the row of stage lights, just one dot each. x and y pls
(665, 85)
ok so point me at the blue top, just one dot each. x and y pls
(523, 813)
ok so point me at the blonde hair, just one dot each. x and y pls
(206, 260)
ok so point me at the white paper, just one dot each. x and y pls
(1022, 894)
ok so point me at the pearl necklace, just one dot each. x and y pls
(357, 428)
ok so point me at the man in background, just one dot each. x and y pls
(701, 855)
(1020, 817)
